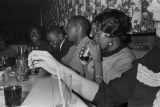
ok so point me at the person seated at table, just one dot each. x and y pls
(56, 36)
(36, 41)
(139, 86)
(7, 53)
(78, 30)
(109, 30)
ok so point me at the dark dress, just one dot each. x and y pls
(127, 89)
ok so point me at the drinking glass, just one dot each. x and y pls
(1, 91)
(12, 89)
(63, 91)
(1, 81)
(85, 55)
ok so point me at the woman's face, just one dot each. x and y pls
(154, 7)
(34, 35)
(100, 37)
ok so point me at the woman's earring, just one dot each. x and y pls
(110, 44)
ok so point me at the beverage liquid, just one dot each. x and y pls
(13, 95)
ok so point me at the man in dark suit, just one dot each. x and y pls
(57, 38)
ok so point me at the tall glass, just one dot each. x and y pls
(1, 92)
(12, 89)
(64, 90)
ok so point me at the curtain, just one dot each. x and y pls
(59, 11)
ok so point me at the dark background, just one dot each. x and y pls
(17, 15)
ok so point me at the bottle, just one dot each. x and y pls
(21, 61)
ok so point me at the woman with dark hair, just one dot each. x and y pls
(109, 30)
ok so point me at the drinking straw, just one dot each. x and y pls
(60, 86)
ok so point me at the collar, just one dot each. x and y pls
(109, 53)
(61, 44)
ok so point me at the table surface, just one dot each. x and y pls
(42, 92)
(45, 93)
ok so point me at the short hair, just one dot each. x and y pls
(56, 30)
(37, 28)
(114, 22)
(83, 22)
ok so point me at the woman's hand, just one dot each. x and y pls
(44, 60)
(95, 51)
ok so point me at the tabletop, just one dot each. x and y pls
(45, 93)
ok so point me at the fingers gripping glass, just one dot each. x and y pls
(34, 62)
(34, 71)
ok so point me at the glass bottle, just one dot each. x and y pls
(21, 61)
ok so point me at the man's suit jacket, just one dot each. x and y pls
(62, 50)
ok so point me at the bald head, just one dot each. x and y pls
(82, 22)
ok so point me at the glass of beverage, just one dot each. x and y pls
(12, 89)
(85, 55)
(61, 89)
